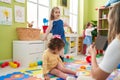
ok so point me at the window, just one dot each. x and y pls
(36, 11)
(74, 15)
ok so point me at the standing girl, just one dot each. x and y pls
(88, 36)
(56, 26)
(52, 62)
(111, 58)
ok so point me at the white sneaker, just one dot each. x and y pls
(70, 78)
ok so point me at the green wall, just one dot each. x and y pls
(88, 12)
(93, 4)
(8, 32)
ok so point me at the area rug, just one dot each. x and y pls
(35, 73)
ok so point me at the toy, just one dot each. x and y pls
(35, 64)
(82, 67)
(67, 57)
(18, 64)
(14, 64)
(30, 25)
(59, 79)
(88, 59)
(3, 65)
(45, 28)
(39, 62)
(45, 21)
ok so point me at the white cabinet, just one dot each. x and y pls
(26, 52)
(72, 39)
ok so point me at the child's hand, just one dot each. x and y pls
(46, 77)
(92, 50)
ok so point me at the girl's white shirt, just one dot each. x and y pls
(88, 31)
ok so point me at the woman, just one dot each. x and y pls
(112, 54)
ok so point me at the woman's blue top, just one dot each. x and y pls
(58, 29)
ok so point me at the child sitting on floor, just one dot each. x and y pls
(51, 61)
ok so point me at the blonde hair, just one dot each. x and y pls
(52, 13)
(114, 22)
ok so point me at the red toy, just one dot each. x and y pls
(18, 64)
(88, 59)
(4, 64)
(67, 57)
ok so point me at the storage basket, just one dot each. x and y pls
(28, 33)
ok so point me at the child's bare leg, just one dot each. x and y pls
(58, 73)
(65, 70)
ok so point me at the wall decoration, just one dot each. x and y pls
(21, 1)
(64, 3)
(6, 1)
(19, 14)
(5, 15)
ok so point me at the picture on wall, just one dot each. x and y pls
(6, 1)
(64, 3)
(21, 1)
(19, 14)
(5, 15)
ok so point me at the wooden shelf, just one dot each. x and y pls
(102, 29)
(102, 18)
(102, 21)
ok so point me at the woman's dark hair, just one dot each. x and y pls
(56, 43)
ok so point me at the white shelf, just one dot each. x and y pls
(73, 43)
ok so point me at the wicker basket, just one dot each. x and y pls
(28, 33)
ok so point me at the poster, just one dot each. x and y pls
(5, 15)
(19, 14)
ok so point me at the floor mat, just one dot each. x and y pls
(36, 73)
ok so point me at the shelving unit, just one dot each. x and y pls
(102, 21)
(72, 40)
(75, 43)
(80, 44)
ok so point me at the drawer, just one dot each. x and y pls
(34, 57)
(34, 48)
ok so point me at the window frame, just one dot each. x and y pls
(38, 4)
(73, 14)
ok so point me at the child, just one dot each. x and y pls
(111, 57)
(52, 62)
(56, 26)
(88, 36)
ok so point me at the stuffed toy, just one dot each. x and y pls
(109, 2)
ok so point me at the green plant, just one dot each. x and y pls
(94, 32)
